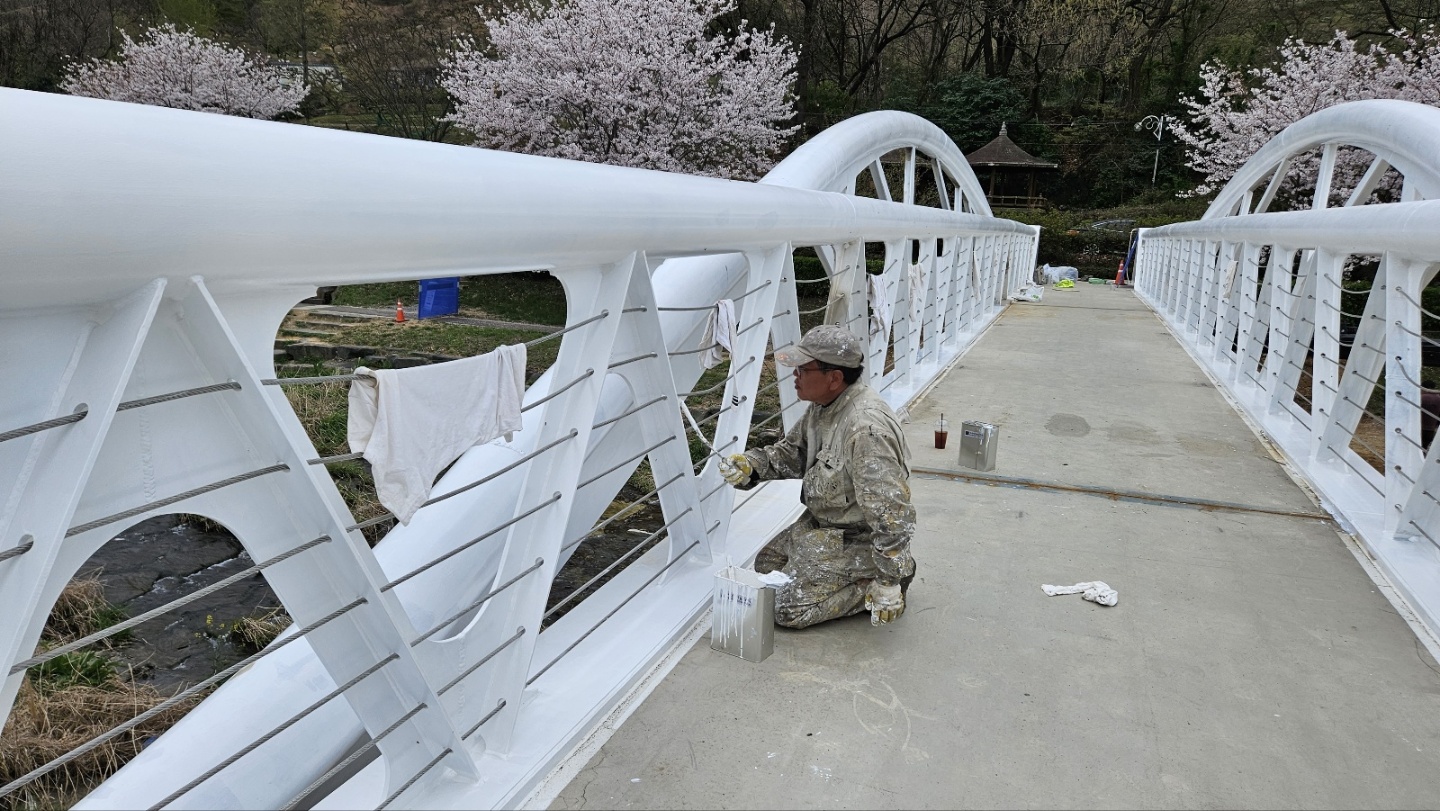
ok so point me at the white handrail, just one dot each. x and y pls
(146, 251)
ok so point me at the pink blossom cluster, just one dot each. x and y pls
(1236, 113)
(627, 82)
(172, 68)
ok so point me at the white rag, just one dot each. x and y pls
(411, 423)
(775, 579)
(1095, 591)
(881, 308)
(719, 333)
(919, 286)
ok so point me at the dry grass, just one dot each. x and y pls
(46, 725)
(80, 610)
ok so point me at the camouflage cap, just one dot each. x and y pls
(828, 343)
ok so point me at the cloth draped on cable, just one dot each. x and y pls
(411, 423)
(719, 333)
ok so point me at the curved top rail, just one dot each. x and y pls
(97, 196)
(832, 159)
(1402, 133)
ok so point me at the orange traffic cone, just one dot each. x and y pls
(399, 312)
(1120, 275)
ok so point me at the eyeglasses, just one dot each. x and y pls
(815, 368)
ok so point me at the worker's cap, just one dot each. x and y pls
(828, 343)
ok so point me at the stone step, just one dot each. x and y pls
(299, 332)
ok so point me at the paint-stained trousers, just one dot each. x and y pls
(830, 573)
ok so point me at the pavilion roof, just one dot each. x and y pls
(1004, 152)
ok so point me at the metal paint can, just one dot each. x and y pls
(742, 620)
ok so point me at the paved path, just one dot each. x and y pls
(1250, 663)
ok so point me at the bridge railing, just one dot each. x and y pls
(145, 275)
(1342, 375)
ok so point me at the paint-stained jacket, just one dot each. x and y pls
(855, 467)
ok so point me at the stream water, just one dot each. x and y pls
(164, 558)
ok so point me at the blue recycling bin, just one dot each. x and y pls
(439, 297)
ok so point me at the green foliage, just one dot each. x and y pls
(197, 15)
(971, 108)
(70, 669)
(533, 297)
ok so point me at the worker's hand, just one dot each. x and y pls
(736, 469)
(885, 603)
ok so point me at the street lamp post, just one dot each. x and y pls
(1156, 124)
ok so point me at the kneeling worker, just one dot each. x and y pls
(850, 551)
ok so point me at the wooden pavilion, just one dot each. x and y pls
(1011, 173)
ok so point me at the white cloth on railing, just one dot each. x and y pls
(719, 333)
(919, 285)
(412, 423)
(882, 309)
(1096, 591)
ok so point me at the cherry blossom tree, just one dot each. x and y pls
(1237, 112)
(172, 68)
(627, 82)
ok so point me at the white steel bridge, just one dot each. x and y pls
(149, 256)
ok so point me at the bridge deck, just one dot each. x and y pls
(1251, 662)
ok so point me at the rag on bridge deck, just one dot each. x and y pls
(411, 423)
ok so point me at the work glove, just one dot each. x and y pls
(885, 603)
(736, 469)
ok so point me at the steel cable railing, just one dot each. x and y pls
(127, 624)
(175, 499)
(173, 701)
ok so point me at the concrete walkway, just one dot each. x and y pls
(1250, 663)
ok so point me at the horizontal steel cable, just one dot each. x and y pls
(613, 612)
(662, 398)
(1418, 305)
(556, 393)
(258, 742)
(777, 414)
(165, 705)
(127, 624)
(1342, 457)
(722, 410)
(721, 384)
(1427, 412)
(622, 512)
(597, 477)
(757, 323)
(17, 551)
(683, 352)
(715, 454)
(1340, 311)
(577, 325)
(44, 426)
(1400, 471)
(481, 601)
(351, 758)
(165, 502)
(178, 395)
(424, 770)
(641, 309)
(125, 406)
(295, 381)
(519, 632)
(1405, 373)
(740, 297)
(370, 522)
(816, 310)
(608, 569)
(648, 355)
(813, 281)
(1402, 435)
(1426, 534)
(1425, 338)
(499, 705)
(461, 548)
